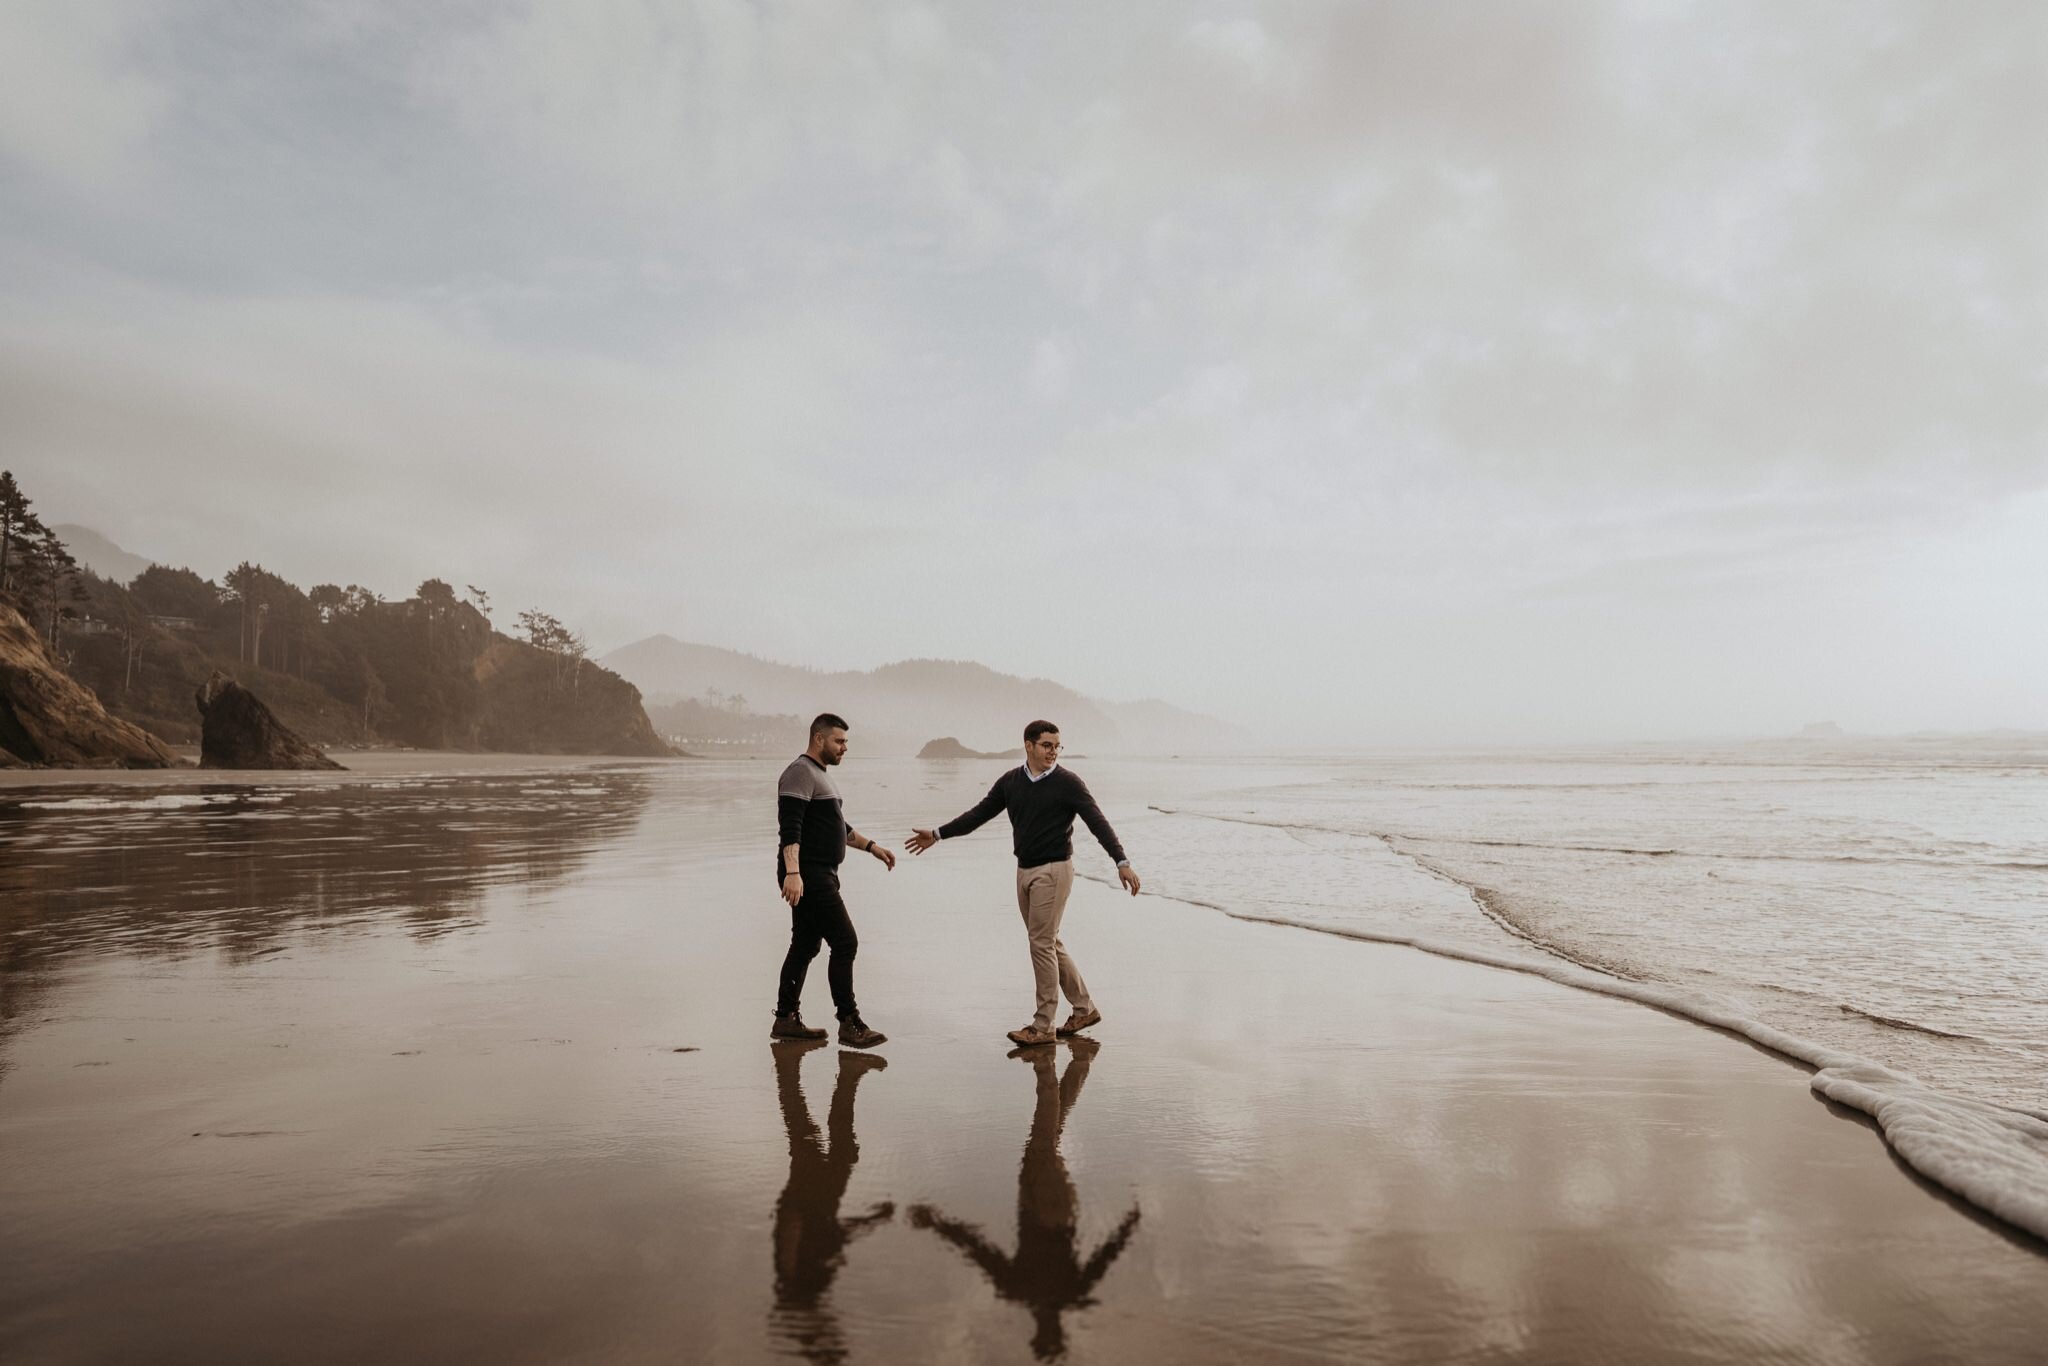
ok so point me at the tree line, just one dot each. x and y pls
(339, 662)
(38, 576)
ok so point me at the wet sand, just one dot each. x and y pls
(381, 763)
(437, 1112)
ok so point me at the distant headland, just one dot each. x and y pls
(109, 668)
(946, 747)
(342, 666)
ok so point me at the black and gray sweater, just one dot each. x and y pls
(809, 815)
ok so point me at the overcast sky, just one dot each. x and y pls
(1426, 371)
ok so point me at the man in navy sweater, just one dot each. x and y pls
(1043, 799)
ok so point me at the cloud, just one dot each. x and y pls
(1644, 248)
(1238, 46)
(1050, 369)
(711, 105)
(73, 106)
(1336, 333)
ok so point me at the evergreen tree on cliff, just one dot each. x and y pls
(18, 526)
(437, 601)
(240, 586)
(48, 583)
(167, 592)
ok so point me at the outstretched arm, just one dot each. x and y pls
(881, 1214)
(967, 1238)
(968, 821)
(1112, 1247)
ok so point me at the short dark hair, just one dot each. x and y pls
(825, 721)
(1038, 728)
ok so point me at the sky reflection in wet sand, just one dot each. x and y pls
(402, 1077)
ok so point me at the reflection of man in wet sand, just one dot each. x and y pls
(1047, 1274)
(810, 1237)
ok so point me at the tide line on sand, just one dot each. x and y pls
(1994, 1158)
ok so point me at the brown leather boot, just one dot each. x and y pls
(792, 1026)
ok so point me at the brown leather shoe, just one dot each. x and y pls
(1078, 1021)
(855, 1034)
(1030, 1036)
(793, 1027)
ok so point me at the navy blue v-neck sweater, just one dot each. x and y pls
(1041, 816)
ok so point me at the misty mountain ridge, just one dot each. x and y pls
(100, 554)
(902, 706)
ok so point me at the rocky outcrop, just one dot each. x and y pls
(49, 718)
(238, 731)
(949, 748)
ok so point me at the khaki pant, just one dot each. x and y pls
(1042, 898)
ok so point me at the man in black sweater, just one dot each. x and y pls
(811, 842)
(1043, 799)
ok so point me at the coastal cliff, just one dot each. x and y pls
(49, 718)
(343, 666)
(534, 701)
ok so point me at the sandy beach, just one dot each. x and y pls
(242, 1121)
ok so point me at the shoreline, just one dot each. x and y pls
(1928, 1130)
(545, 1124)
(377, 763)
(1989, 1154)
(1992, 1159)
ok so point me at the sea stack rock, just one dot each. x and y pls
(238, 731)
(49, 718)
(949, 747)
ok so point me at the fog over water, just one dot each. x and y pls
(1391, 372)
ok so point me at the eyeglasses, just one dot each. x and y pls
(1049, 746)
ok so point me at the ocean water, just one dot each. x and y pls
(1891, 902)
(1876, 911)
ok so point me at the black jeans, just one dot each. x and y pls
(819, 918)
